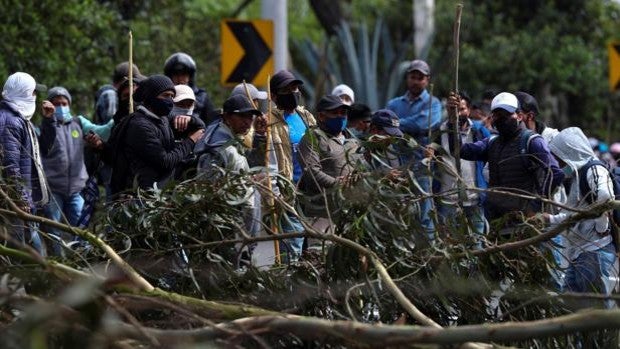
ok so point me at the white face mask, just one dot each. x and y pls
(181, 111)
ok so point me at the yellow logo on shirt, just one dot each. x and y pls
(75, 134)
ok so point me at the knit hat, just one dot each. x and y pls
(58, 91)
(152, 87)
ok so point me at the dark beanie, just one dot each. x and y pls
(152, 87)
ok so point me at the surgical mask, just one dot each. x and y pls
(161, 107)
(335, 125)
(507, 127)
(288, 101)
(62, 113)
(181, 111)
(358, 134)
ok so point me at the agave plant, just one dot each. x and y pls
(369, 63)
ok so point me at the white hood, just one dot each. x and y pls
(18, 93)
(573, 147)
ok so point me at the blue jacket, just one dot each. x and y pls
(16, 154)
(62, 154)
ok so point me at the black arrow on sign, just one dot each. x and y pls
(256, 52)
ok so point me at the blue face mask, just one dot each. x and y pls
(568, 171)
(335, 125)
(62, 113)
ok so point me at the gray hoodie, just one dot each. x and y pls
(572, 147)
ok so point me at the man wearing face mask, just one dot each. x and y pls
(519, 161)
(22, 170)
(181, 69)
(288, 123)
(471, 171)
(145, 149)
(359, 122)
(328, 160)
(62, 150)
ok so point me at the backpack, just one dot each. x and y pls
(615, 180)
(524, 148)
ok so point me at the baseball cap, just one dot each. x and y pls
(282, 79)
(240, 104)
(330, 102)
(388, 121)
(254, 92)
(506, 101)
(420, 66)
(343, 89)
(359, 111)
(183, 92)
(527, 102)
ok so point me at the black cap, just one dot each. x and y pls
(330, 102)
(282, 79)
(527, 102)
(359, 111)
(388, 121)
(240, 104)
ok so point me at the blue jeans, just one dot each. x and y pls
(426, 206)
(475, 220)
(292, 247)
(69, 206)
(592, 272)
(22, 232)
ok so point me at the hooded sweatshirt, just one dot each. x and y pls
(572, 147)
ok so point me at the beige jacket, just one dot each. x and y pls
(281, 140)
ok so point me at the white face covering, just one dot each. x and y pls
(18, 93)
(181, 111)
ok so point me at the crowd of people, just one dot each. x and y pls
(481, 160)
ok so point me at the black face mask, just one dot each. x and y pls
(288, 101)
(123, 109)
(160, 107)
(507, 127)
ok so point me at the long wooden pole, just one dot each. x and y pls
(271, 203)
(457, 136)
(130, 77)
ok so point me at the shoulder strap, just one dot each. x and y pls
(526, 138)
(584, 188)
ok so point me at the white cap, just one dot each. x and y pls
(254, 92)
(506, 101)
(343, 89)
(183, 92)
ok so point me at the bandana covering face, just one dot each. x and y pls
(18, 93)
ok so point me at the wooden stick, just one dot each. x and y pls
(274, 215)
(457, 125)
(457, 137)
(130, 72)
(274, 224)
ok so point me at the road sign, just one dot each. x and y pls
(613, 49)
(247, 51)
